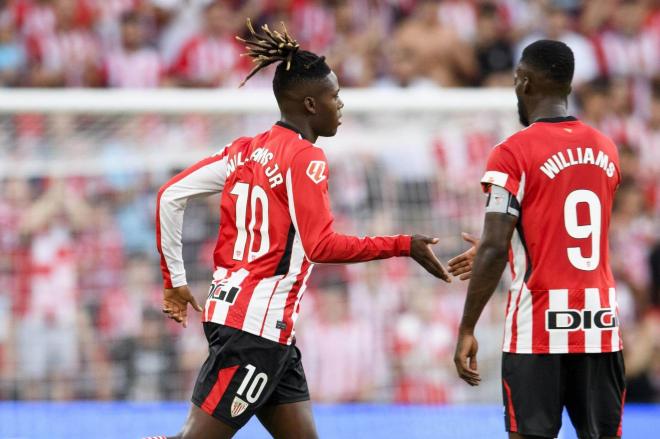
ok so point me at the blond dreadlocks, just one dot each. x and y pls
(272, 46)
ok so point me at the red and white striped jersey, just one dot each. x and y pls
(562, 300)
(275, 223)
(138, 69)
(67, 52)
(206, 58)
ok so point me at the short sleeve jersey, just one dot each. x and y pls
(563, 174)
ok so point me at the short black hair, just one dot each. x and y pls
(305, 66)
(553, 59)
(295, 66)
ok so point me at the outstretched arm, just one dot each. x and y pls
(309, 207)
(489, 263)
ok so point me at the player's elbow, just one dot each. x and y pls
(318, 252)
(494, 249)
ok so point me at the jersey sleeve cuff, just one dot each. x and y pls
(405, 241)
(176, 281)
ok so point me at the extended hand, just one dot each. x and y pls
(461, 265)
(466, 352)
(175, 304)
(420, 251)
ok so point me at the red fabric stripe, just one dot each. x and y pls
(167, 280)
(619, 431)
(180, 176)
(213, 399)
(506, 313)
(540, 336)
(210, 309)
(291, 301)
(237, 311)
(606, 335)
(514, 325)
(513, 425)
(576, 338)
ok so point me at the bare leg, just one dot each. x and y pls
(201, 425)
(289, 421)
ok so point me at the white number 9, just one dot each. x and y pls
(583, 231)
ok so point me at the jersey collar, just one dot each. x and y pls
(556, 119)
(289, 127)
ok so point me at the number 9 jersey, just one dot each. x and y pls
(563, 175)
(275, 223)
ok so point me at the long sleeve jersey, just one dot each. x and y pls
(275, 223)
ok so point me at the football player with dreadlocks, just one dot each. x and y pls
(275, 225)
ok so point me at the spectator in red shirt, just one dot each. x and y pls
(134, 64)
(210, 58)
(66, 57)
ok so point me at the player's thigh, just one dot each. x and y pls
(595, 392)
(201, 425)
(288, 411)
(289, 421)
(532, 392)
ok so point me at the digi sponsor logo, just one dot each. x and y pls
(577, 320)
(315, 171)
(219, 290)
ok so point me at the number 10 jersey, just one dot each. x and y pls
(564, 175)
(275, 223)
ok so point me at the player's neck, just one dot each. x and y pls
(549, 108)
(301, 125)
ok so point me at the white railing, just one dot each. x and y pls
(245, 101)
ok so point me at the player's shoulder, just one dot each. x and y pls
(235, 145)
(602, 139)
(524, 136)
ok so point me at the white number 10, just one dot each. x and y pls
(242, 190)
(583, 231)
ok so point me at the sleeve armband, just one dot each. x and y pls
(502, 201)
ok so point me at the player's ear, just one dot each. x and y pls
(526, 85)
(310, 104)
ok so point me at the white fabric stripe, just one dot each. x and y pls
(558, 338)
(294, 316)
(519, 266)
(221, 306)
(278, 302)
(521, 190)
(616, 333)
(524, 322)
(206, 180)
(592, 336)
(256, 310)
(495, 177)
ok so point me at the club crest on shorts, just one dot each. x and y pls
(238, 406)
(315, 171)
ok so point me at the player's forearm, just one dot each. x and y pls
(338, 248)
(169, 231)
(489, 263)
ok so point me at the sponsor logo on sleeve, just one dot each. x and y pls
(315, 171)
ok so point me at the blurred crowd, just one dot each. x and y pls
(80, 304)
(385, 43)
